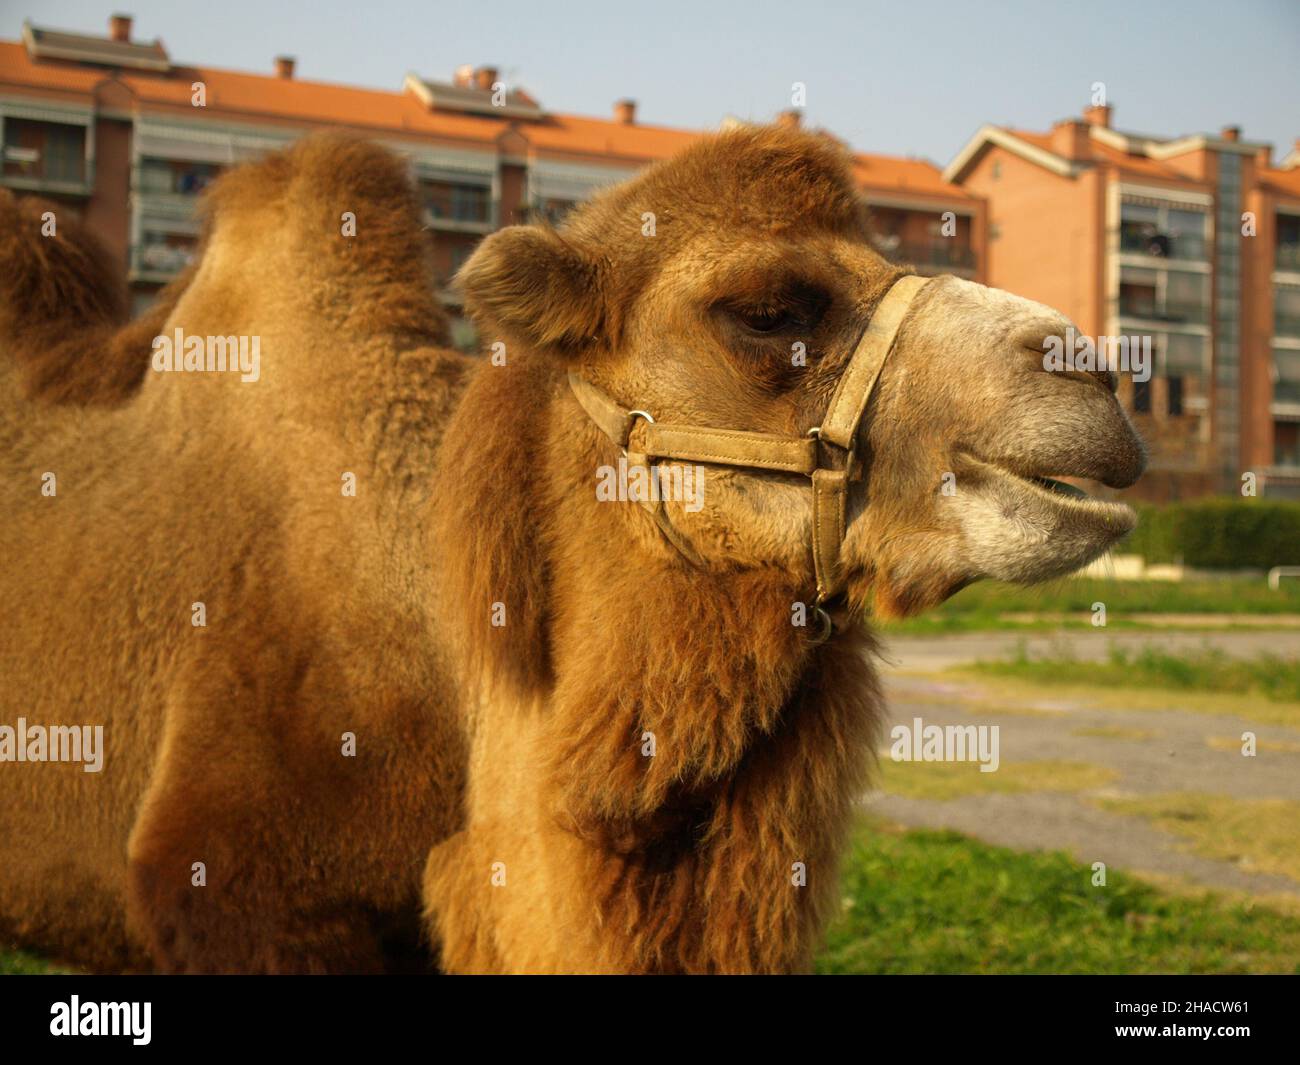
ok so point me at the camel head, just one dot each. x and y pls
(728, 288)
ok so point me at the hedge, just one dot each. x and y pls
(1218, 534)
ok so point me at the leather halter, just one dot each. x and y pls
(643, 439)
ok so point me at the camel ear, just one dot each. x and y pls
(536, 287)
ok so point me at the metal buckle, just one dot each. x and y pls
(634, 415)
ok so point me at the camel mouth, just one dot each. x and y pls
(1063, 493)
(1047, 494)
(1060, 487)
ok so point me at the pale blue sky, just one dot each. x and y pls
(905, 78)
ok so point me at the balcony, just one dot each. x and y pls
(45, 157)
(457, 208)
(1155, 244)
(1148, 310)
(159, 262)
(935, 255)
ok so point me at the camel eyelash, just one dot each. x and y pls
(797, 309)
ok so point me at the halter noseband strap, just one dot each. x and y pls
(834, 440)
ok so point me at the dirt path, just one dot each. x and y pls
(1150, 751)
(933, 653)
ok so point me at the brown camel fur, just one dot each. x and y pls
(614, 760)
(64, 311)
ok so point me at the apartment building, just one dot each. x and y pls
(1191, 241)
(123, 134)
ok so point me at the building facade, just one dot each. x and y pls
(120, 133)
(1193, 242)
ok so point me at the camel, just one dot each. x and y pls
(474, 713)
(64, 312)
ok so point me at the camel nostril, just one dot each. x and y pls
(1045, 359)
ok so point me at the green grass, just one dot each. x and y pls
(938, 902)
(944, 781)
(1259, 835)
(1207, 670)
(17, 963)
(984, 604)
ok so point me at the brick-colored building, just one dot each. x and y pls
(117, 130)
(1193, 241)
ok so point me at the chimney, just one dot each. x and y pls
(485, 78)
(1264, 156)
(119, 28)
(789, 119)
(464, 76)
(1070, 139)
(284, 66)
(1097, 115)
(1230, 133)
(625, 112)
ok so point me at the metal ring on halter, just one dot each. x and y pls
(815, 432)
(633, 415)
(824, 633)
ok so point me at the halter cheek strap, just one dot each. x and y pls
(826, 454)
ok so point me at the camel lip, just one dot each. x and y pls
(1064, 496)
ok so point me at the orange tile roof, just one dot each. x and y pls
(594, 136)
(885, 172)
(16, 68)
(1285, 182)
(1038, 140)
(237, 96)
(1139, 165)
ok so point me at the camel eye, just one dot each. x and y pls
(766, 321)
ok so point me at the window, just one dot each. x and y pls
(1137, 293)
(45, 151)
(1186, 297)
(1142, 397)
(1286, 310)
(1187, 233)
(1139, 227)
(1165, 295)
(1175, 396)
(171, 177)
(1286, 444)
(1162, 231)
(1288, 242)
(1184, 354)
(446, 200)
(1286, 375)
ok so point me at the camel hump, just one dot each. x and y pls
(339, 219)
(55, 272)
(62, 301)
